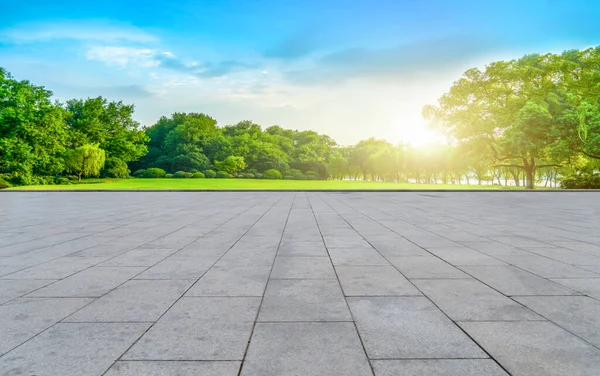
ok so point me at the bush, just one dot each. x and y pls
(311, 177)
(210, 174)
(252, 171)
(193, 170)
(168, 175)
(154, 172)
(188, 175)
(139, 173)
(259, 175)
(581, 182)
(299, 176)
(288, 177)
(115, 168)
(293, 172)
(180, 174)
(4, 184)
(61, 180)
(248, 175)
(313, 173)
(222, 175)
(272, 174)
(198, 175)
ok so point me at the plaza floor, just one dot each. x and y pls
(296, 283)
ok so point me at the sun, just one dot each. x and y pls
(419, 135)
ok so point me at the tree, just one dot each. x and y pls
(86, 160)
(231, 164)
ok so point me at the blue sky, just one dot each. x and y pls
(352, 69)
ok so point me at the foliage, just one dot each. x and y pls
(581, 182)
(179, 174)
(273, 174)
(4, 184)
(221, 175)
(210, 174)
(139, 173)
(198, 175)
(231, 164)
(168, 175)
(115, 168)
(86, 160)
(154, 172)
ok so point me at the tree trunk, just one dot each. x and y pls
(529, 167)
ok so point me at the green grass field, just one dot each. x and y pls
(246, 184)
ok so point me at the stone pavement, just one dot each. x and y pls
(255, 284)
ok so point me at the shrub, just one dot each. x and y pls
(272, 174)
(299, 176)
(248, 175)
(252, 171)
(293, 171)
(581, 182)
(179, 174)
(139, 173)
(313, 173)
(198, 175)
(4, 184)
(288, 177)
(311, 177)
(193, 170)
(154, 172)
(259, 175)
(188, 175)
(61, 180)
(115, 168)
(210, 174)
(168, 175)
(222, 175)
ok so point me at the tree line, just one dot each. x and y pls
(530, 120)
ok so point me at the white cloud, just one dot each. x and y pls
(126, 56)
(84, 30)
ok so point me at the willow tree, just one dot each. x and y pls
(527, 112)
(86, 160)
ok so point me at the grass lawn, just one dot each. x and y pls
(246, 184)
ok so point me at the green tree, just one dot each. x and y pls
(231, 164)
(86, 160)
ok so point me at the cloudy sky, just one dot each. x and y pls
(349, 68)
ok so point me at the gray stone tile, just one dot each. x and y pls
(548, 268)
(356, 256)
(232, 281)
(302, 268)
(57, 269)
(426, 267)
(173, 368)
(409, 327)
(85, 349)
(140, 257)
(134, 301)
(397, 247)
(179, 267)
(577, 314)
(463, 256)
(438, 367)
(199, 328)
(304, 300)
(374, 280)
(288, 349)
(24, 318)
(587, 286)
(93, 282)
(471, 300)
(535, 348)
(14, 288)
(296, 248)
(510, 280)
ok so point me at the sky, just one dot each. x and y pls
(348, 68)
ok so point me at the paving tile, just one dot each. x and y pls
(296, 248)
(134, 301)
(535, 348)
(179, 267)
(426, 267)
(587, 286)
(302, 268)
(438, 367)
(510, 280)
(356, 256)
(57, 269)
(199, 328)
(306, 349)
(93, 282)
(86, 349)
(24, 318)
(173, 368)
(374, 280)
(577, 314)
(548, 268)
(140, 257)
(471, 300)
(14, 288)
(463, 256)
(232, 281)
(304, 300)
(397, 247)
(409, 327)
